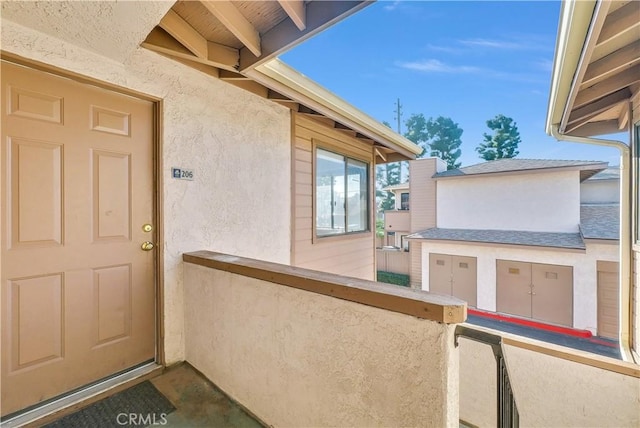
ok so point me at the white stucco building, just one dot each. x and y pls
(532, 238)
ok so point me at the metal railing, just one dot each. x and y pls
(507, 411)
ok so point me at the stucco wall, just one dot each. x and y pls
(600, 191)
(238, 145)
(296, 358)
(542, 202)
(549, 391)
(584, 272)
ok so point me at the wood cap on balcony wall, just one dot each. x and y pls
(417, 303)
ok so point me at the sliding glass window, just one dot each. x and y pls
(342, 199)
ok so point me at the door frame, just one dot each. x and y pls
(157, 151)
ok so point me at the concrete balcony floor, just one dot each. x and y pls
(198, 402)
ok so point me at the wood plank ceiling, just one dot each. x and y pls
(225, 38)
(611, 76)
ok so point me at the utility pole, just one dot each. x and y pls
(398, 117)
(398, 112)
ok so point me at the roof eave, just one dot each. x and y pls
(282, 78)
(575, 20)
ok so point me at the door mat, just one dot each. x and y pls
(139, 406)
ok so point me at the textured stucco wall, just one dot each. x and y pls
(549, 391)
(296, 358)
(238, 145)
(585, 278)
(542, 202)
(600, 191)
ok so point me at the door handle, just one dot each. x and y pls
(147, 246)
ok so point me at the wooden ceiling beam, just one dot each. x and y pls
(612, 63)
(240, 27)
(608, 86)
(180, 29)
(319, 15)
(251, 86)
(585, 114)
(206, 69)
(596, 128)
(619, 21)
(277, 96)
(297, 11)
(230, 75)
(218, 56)
(591, 110)
(623, 119)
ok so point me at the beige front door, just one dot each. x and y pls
(77, 188)
(608, 299)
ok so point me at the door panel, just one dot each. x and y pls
(440, 274)
(77, 186)
(552, 297)
(608, 300)
(464, 271)
(513, 287)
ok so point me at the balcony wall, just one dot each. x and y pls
(553, 386)
(304, 348)
(397, 221)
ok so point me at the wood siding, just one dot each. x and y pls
(422, 209)
(415, 251)
(423, 198)
(351, 255)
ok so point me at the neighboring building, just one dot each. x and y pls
(124, 124)
(532, 238)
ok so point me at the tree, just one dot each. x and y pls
(417, 131)
(440, 137)
(504, 141)
(386, 175)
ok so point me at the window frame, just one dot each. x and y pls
(402, 202)
(346, 154)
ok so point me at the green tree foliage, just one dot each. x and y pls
(386, 175)
(503, 143)
(417, 132)
(439, 137)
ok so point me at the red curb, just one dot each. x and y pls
(531, 323)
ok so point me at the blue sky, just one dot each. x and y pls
(466, 60)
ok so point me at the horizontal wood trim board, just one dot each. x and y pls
(604, 363)
(409, 302)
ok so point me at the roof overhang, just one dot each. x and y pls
(280, 77)
(237, 35)
(596, 71)
(238, 41)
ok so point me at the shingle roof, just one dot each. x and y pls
(612, 173)
(510, 165)
(513, 237)
(600, 221)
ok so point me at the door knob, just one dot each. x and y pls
(147, 246)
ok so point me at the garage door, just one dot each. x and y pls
(608, 299)
(77, 188)
(539, 291)
(454, 275)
